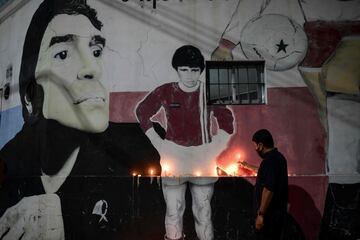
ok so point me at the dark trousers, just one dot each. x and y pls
(271, 233)
(273, 228)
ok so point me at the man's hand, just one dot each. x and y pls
(266, 197)
(248, 166)
(243, 164)
(259, 223)
(35, 217)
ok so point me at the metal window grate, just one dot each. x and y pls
(235, 82)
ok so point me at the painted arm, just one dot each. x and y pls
(266, 197)
(229, 38)
(225, 118)
(148, 107)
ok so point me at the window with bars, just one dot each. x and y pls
(235, 82)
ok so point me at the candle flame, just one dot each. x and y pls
(165, 167)
(232, 169)
(134, 174)
(151, 171)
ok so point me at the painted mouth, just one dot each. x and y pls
(89, 99)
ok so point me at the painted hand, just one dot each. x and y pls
(221, 54)
(35, 217)
(193, 161)
(155, 139)
(189, 161)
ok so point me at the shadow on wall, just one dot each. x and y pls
(303, 209)
(233, 211)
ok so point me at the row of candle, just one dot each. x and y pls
(230, 170)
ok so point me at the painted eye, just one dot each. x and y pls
(61, 55)
(97, 53)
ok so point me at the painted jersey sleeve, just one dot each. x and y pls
(225, 118)
(148, 108)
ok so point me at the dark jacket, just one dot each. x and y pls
(101, 175)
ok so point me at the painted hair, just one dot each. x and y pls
(189, 56)
(30, 91)
(263, 136)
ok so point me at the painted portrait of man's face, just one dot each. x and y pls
(189, 76)
(69, 69)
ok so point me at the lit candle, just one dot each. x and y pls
(166, 169)
(138, 180)
(232, 169)
(158, 180)
(133, 194)
(133, 181)
(151, 176)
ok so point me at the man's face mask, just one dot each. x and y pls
(259, 148)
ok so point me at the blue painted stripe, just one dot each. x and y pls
(11, 121)
(2, 2)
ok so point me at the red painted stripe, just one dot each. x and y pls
(291, 115)
(123, 104)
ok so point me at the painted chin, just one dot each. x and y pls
(94, 119)
(190, 83)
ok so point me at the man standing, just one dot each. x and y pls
(271, 189)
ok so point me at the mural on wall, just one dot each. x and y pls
(188, 149)
(331, 70)
(329, 39)
(67, 136)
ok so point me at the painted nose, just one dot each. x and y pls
(88, 76)
(89, 71)
(90, 68)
